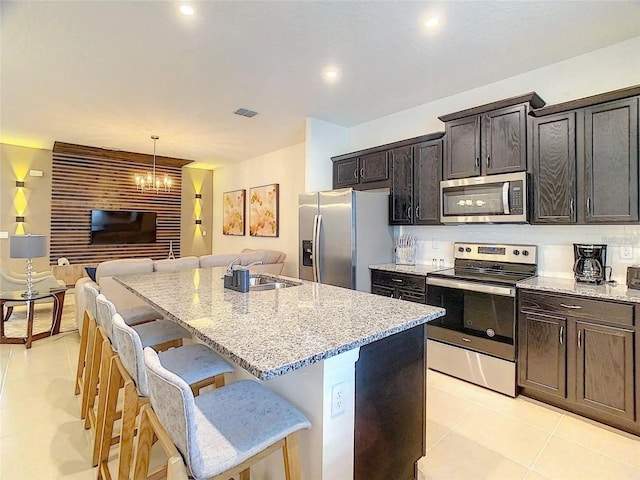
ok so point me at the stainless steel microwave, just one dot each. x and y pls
(491, 199)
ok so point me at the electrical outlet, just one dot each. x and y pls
(626, 252)
(338, 400)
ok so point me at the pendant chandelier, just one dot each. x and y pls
(149, 181)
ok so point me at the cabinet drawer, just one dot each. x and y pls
(403, 280)
(567, 305)
(410, 296)
(384, 291)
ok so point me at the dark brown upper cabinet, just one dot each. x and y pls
(416, 171)
(371, 168)
(490, 139)
(585, 160)
(554, 168)
(611, 162)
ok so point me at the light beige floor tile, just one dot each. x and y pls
(54, 456)
(562, 459)
(535, 476)
(525, 411)
(620, 446)
(456, 457)
(516, 440)
(39, 390)
(435, 433)
(445, 408)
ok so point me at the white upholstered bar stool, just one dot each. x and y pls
(196, 364)
(134, 315)
(223, 432)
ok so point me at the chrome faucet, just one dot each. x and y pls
(258, 262)
(235, 260)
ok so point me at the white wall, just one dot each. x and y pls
(285, 167)
(322, 140)
(597, 72)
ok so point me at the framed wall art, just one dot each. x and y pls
(233, 205)
(263, 207)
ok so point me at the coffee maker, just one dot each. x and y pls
(590, 263)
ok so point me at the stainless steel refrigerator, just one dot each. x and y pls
(342, 232)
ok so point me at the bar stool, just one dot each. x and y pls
(223, 432)
(197, 364)
(88, 317)
(160, 334)
(133, 316)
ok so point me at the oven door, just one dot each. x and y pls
(479, 316)
(495, 199)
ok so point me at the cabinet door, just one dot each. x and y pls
(345, 173)
(605, 380)
(611, 162)
(426, 187)
(542, 353)
(374, 167)
(462, 157)
(505, 140)
(554, 168)
(401, 207)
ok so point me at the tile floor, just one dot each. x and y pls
(472, 433)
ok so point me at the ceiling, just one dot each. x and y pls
(112, 73)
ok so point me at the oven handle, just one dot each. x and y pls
(472, 286)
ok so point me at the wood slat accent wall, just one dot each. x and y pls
(83, 183)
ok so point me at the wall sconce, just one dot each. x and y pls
(198, 222)
(198, 196)
(19, 183)
(19, 219)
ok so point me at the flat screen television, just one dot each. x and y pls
(118, 227)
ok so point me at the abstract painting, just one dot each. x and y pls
(263, 205)
(233, 212)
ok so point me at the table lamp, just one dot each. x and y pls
(28, 246)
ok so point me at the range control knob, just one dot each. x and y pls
(516, 252)
(525, 252)
(468, 249)
(460, 249)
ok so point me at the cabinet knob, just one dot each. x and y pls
(355, 173)
(588, 205)
(409, 211)
(571, 206)
(362, 172)
(418, 211)
(477, 166)
(561, 334)
(488, 160)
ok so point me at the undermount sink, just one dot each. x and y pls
(261, 282)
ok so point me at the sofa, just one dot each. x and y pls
(272, 262)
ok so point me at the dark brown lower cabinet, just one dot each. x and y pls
(402, 286)
(575, 355)
(604, 379)
(543, 353)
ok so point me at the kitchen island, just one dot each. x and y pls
(352, 362)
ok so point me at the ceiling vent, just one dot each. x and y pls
(245, 112)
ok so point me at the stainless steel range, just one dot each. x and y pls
(475, 340)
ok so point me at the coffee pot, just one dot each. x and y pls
(590, 263)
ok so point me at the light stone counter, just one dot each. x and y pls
(270, 333)
(413, 269)
(569, 286)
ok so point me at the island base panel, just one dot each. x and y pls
(390, 410)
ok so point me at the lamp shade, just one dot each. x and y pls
(27, 246)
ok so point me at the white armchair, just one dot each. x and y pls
(42, 281)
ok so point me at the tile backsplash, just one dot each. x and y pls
(555, 243)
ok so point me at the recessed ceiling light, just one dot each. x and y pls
(432, 22)
(331, 73)
(186, 10)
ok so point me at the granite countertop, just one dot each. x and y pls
(569, 286)
(414, 269)
(272, 332)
